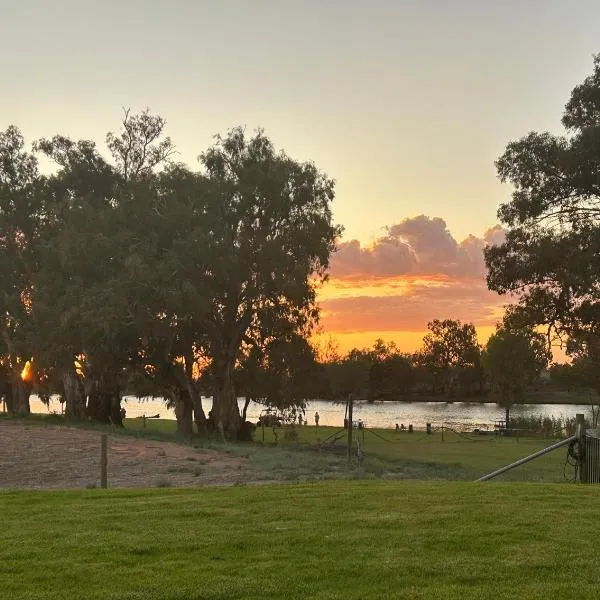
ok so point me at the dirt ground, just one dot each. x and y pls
(35, 457)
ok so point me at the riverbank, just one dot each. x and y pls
(545, 396)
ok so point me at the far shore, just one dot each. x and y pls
(542, 397)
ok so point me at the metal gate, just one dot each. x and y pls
(591, 457)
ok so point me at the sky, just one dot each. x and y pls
(406, 104)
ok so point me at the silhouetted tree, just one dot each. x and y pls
(550, 259)
(514, 358)
(448, 348)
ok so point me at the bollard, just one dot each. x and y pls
(103, 462)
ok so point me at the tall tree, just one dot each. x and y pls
(271, 237)
(20, 221)
(551, 257)
(85, 261)
(514, 358)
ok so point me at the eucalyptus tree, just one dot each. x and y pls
(21, 217)
(84, 291)
(550, 260)
(270, 235)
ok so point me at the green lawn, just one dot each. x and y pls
(390, 455)
(345, 540)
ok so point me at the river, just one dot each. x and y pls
(463, 415)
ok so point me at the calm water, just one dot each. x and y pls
(464, 415)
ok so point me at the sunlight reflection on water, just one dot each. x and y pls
(464, 415)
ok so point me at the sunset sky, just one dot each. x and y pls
(405, 103)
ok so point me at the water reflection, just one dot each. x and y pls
(464, 415)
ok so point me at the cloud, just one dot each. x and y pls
(417, 246)
(413, 274)
(411, 311)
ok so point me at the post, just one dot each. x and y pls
(103, 462)
(350, 402)
(442, 432)
(580, 433)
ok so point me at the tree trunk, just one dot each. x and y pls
(20, 392)
(507, 425)
(199, 414)
(225, 412)
(183, 414)
(116, 416)
(73, 395)
(98, 402)
(245, 409)
(9, 401)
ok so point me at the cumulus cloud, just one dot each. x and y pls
(416, 246)
(416, 272)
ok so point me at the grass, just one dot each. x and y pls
(346, 540)
(386, 455)
(390, 455)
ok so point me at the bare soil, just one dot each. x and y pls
(58, 457)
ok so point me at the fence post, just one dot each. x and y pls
(580, 432)
(350, 403)
(103, 462)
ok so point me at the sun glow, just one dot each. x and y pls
(27, 372)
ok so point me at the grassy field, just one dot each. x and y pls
(390, 455)
(331, 540)
(385, 454)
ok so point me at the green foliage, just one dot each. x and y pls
(451, 353)
(550, 257)
(158, 278)
(378, 373)
(514, 358)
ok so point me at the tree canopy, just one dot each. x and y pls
(551, 257)
(132, 271)
(514, 359)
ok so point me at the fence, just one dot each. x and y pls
(590, 472)
(584, 448)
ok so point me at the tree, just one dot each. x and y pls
(448, 348)
(271, 238)
(20, 220)
(136, 271)
(349, 375)
(550, 259)
(86, 263)
(392, 374)
(583, 373)
(514, 358)
(280, 375)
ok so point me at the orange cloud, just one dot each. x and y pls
(415, 273)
